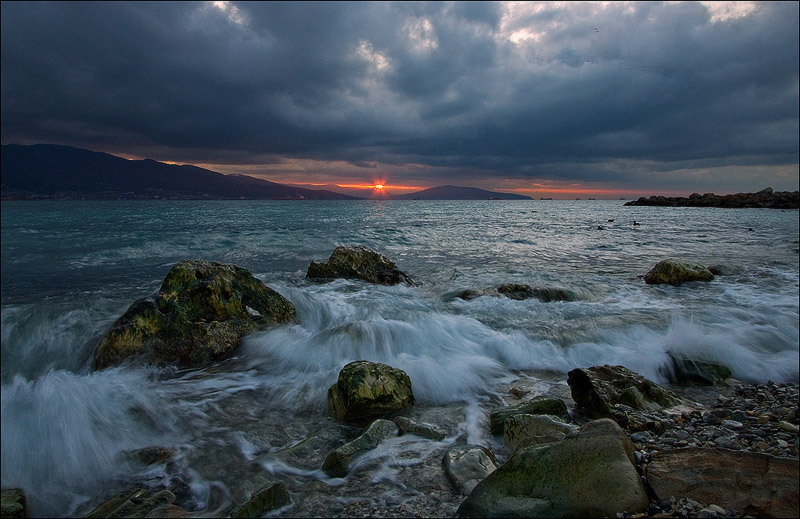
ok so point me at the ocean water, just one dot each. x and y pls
(69, 269)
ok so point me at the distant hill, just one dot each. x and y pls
(458, 193)
(52, 171)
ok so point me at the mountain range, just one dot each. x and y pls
(49, 171)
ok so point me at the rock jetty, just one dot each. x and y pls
(197, 317)
(766, 198)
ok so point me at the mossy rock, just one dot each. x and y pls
(675, 272)
(197, 317)
(14, 504)
(358, 262)
(537, 405)
(339, 462)
(365, 389)
(521, 292)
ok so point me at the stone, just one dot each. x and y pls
(537, 405)
(13, 503)
(197, 317)
(751, 483)
(339, 462)
(467, 465)
(766, 198)
(366, 389)
(138, 502)
(524, 430)
(425, 430)
(521, 291)
(358, 262)
(590, 474)
(788, 427)
(686, 370)
(262, 501)
(598, 388)
(675, 272)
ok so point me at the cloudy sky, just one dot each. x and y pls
(556, 99)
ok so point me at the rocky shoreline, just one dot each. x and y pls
(766, 198)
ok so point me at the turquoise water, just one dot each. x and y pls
(69, 269)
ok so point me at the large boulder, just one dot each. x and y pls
(467, 465)
(537, 405)
(339, 462)
(366, 389)
(751, 483)
(599, 388)
(358, 262)
(675, 272)
(197, 317)
(590, 474)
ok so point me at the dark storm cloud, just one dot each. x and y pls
(525, 89)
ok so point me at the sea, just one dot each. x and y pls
(71, 268)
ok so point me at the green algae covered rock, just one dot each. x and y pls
(590, 474)
(366, 389)
(537, 405)
(358, 262)
(675, 272)
(524, 430)
(14, 503)
(339, 462)
(197, 317)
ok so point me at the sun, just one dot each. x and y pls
(379, 187)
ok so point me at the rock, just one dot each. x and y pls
(358, 262)
(425, 430)
(149, 455)
(751, 483)
(366, 389)
(537, 405)
(264, 500)
(598, 388)
(590, 474)
(521, 291)
(676, 272)
(766, 198)
(13, 503)
(691, 371)
(467, 465)
(138, 502)
(339, 461)
(524, 430)
(197, 317)
(788, 427)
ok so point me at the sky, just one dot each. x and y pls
(546, 99)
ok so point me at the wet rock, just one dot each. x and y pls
(425, 430)
(590, 474)
(366, 389)
(537, 405)
(753, 483)
(339, 461)
(598, 388)
(138, 502)
(675, 272)
(693, 371)
(197, 317)
(358, 262)
(13, 503)
(524, 430)
(766, 198)
(264, 500)
(150, 455)
(467, 465)
(545, 294)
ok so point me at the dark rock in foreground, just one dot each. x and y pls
(599, 388)
(358, 262)
(138, 502)
(590, 474)
(675, 272)
(365, 389)
(264, 500)
(766, 198)
(752, 483)
(13, 503)
(197, 317)
(467, 465)
(339, 462)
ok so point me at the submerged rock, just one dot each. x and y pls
(264, 500)
(752, 483)
(338, 463)
(599, 388)
(13, 503)
(467, 465)
(366, 389)
(358, 262)
(675, 272)
(590, 474)
(197, 317)
(520, 292)
(537, 405)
